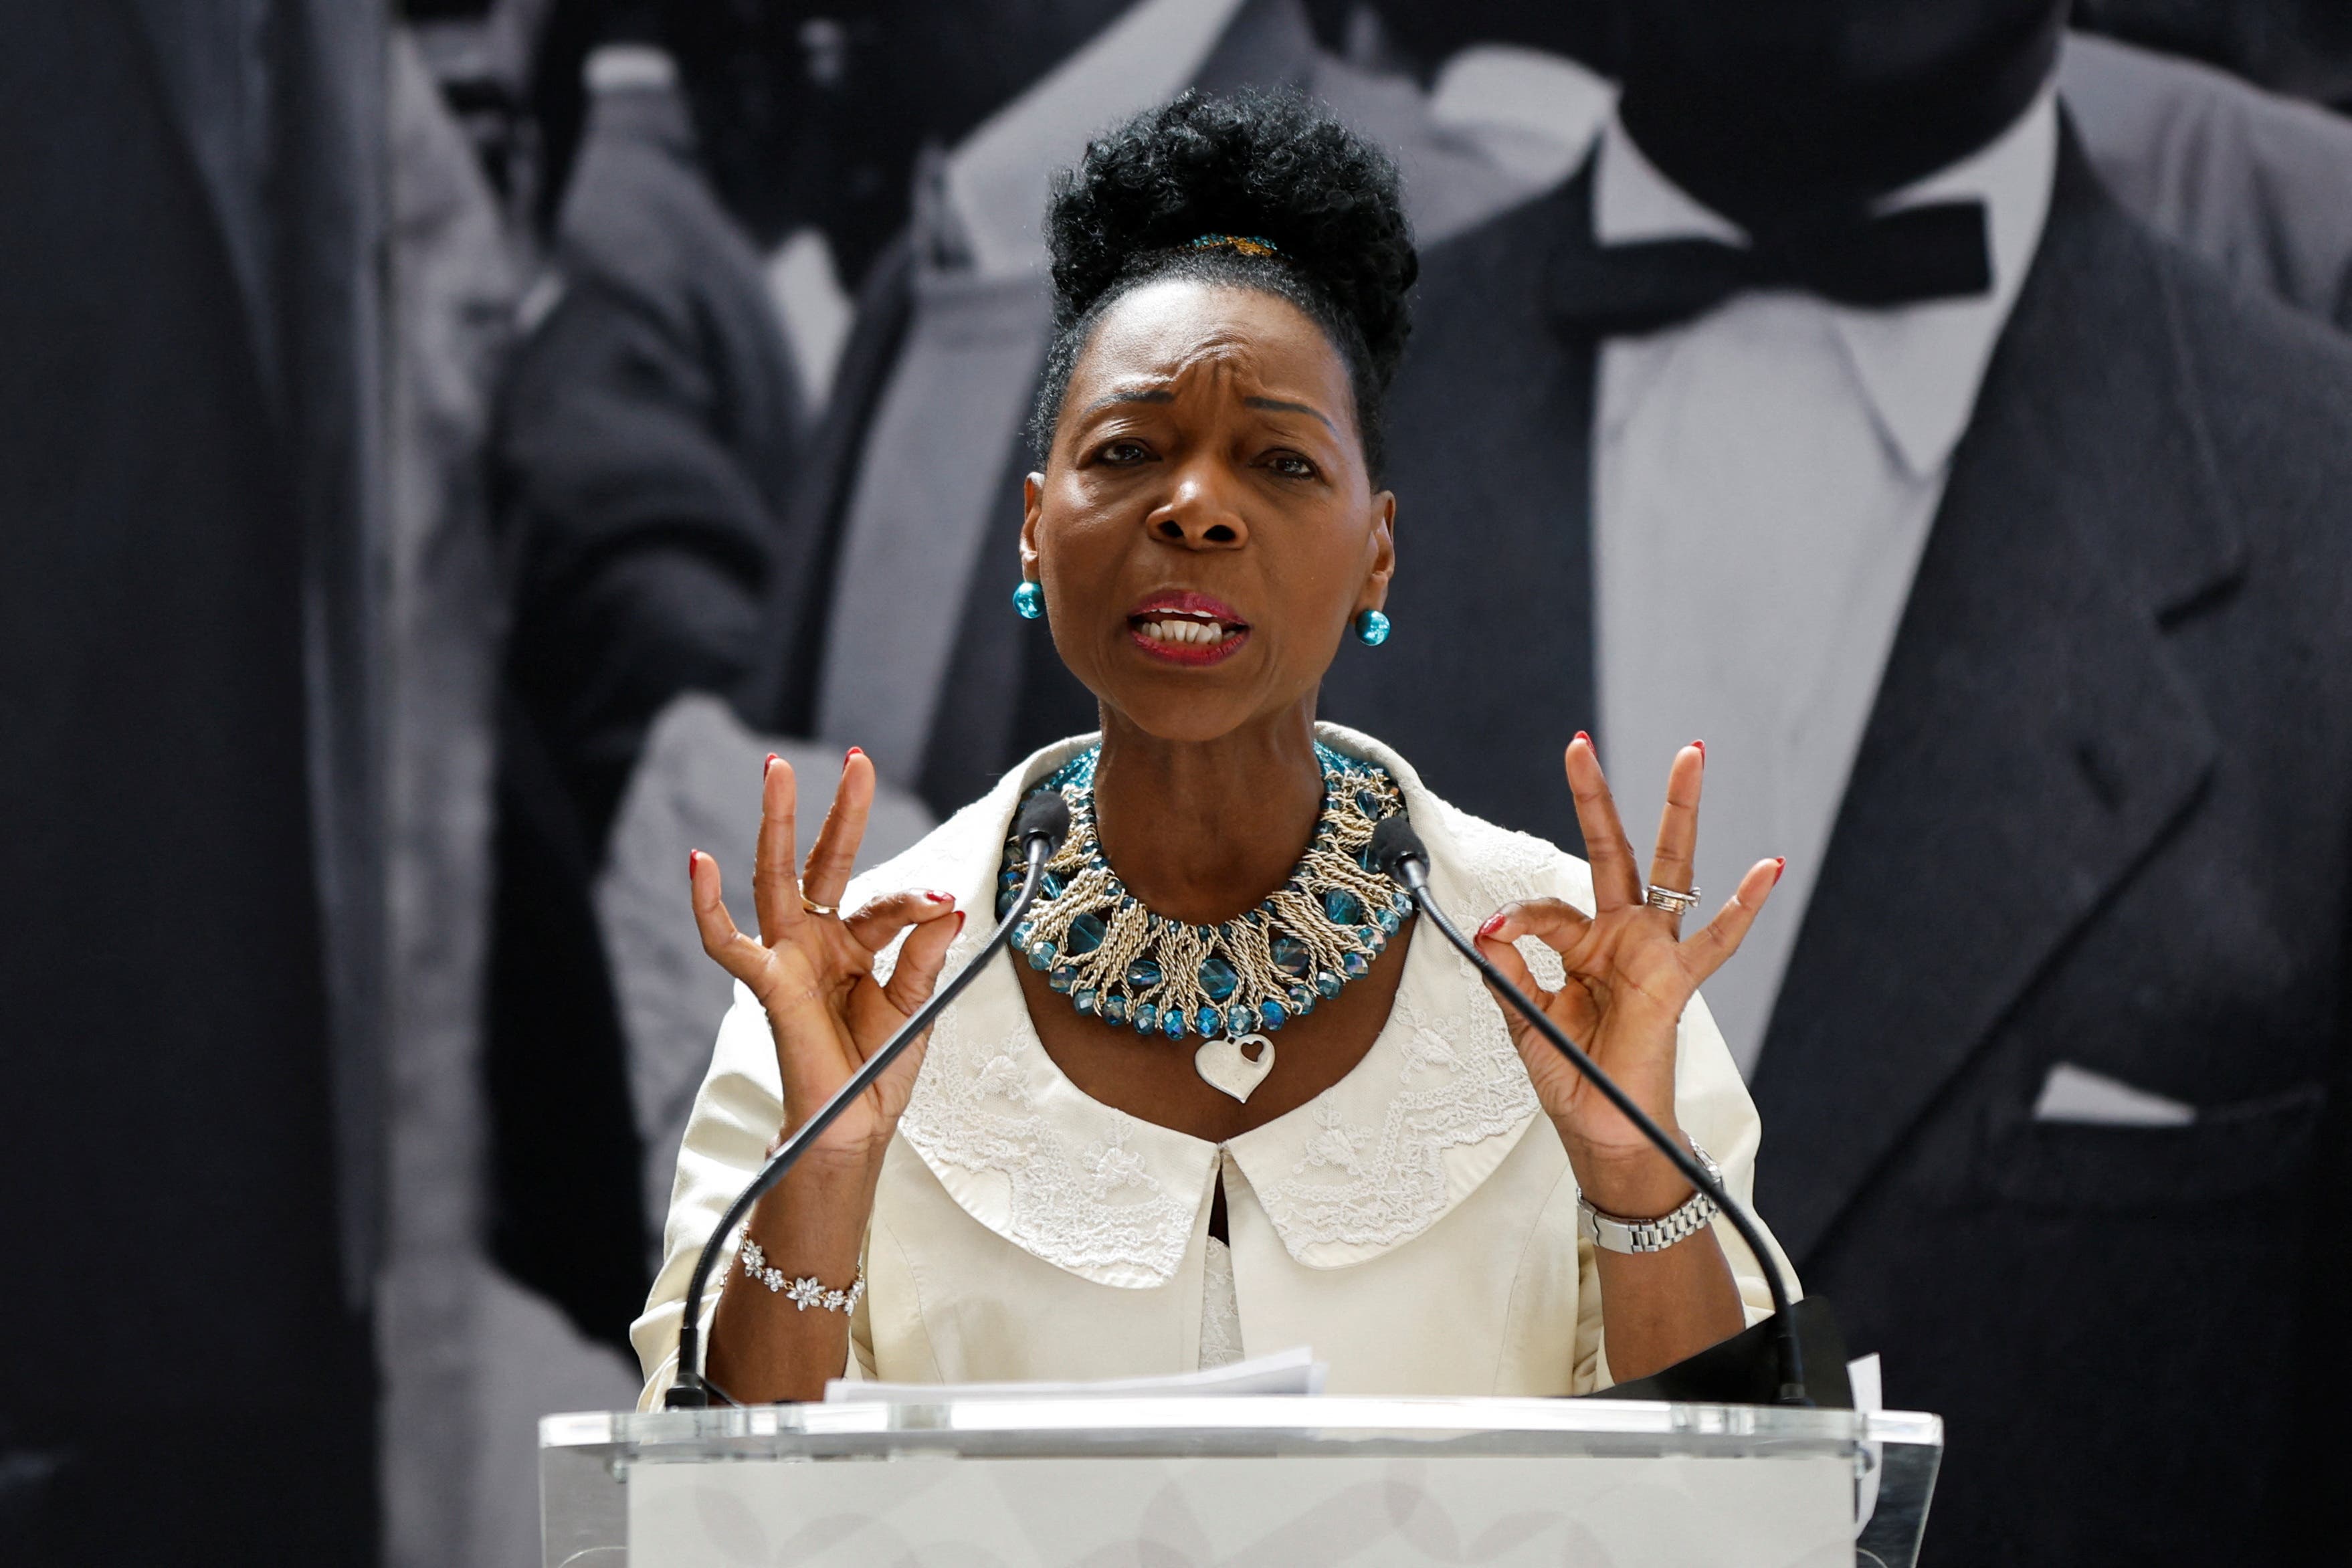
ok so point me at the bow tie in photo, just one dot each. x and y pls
(1906, 257)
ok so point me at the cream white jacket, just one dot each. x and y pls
(1415, 1224)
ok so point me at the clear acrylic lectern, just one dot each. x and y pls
(1271, 1481)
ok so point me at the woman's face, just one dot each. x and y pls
(1205, 527)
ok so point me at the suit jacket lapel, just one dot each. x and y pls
(2030, 742)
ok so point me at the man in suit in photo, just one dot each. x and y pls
(1836, 413)
(2256, 183)
(950, 331)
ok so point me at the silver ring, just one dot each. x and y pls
(1670, 902)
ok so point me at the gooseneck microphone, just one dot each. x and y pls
(1043, 823)
(1400, 853)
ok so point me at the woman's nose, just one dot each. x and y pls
(1199, 514)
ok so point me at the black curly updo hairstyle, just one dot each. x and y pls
(1317, 207)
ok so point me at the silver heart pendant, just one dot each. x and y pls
(1226, 1067)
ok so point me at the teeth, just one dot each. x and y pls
(1175, 631)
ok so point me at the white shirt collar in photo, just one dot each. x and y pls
(1534, 113)
(992, 186)
(1919, 366)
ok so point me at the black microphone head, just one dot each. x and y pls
(1046, 816)
(1393, 843)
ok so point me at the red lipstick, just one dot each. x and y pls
(1178, 625)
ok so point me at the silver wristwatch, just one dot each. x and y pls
(1614, 1235)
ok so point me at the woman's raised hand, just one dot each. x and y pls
(814, 970)
(1630, 973)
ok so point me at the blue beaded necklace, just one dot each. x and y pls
(1120, 962)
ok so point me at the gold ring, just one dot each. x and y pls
(813, 907)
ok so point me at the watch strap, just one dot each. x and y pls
(1613, 1234)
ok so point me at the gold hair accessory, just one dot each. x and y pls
(1244, 244)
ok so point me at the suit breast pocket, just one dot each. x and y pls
(2209, 1154)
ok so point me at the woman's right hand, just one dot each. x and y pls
(813, 971)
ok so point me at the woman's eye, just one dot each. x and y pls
(1124, 452)
(1291, 465)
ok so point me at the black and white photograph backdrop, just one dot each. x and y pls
(447, 445)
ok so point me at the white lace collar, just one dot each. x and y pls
(1372, 1162)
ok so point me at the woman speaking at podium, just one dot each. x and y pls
(1219, 1099)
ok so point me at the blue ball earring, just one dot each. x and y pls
(1371, 628)
(1029, 599)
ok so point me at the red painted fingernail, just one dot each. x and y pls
(959, 922)
(1702, 749)
(940, 897)
(691, 856)
(1581, 735)
(845, 756)
(765, 766)
(1493, 923)
(1779, 864)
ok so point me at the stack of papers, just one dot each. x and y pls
(1285, 1374)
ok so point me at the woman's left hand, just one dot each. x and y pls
(1630, 973)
